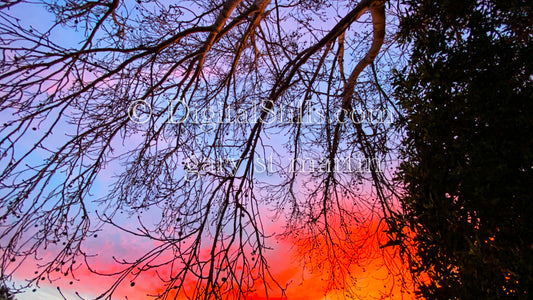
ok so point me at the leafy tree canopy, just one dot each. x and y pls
(468, 152)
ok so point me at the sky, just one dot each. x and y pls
(379, 273)
(374, 277)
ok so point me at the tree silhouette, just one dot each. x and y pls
(5, 294)
(468, 160)
(196, 101)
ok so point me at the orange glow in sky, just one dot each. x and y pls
(307, 268)
(375, 273)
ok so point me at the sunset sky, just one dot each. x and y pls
(259, 149)
(378, 275)
(371, 272)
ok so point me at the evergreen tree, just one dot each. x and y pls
(468, 169)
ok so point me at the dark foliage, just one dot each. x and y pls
(468, 171)
(5, 294)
